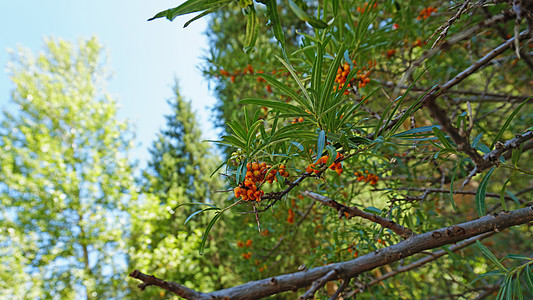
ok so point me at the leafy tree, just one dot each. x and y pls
(65, 178)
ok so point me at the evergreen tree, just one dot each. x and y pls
(177, 173)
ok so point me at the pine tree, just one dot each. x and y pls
(177, 173)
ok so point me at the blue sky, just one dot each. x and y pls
(145, 56)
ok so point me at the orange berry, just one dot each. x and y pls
(339, 170)
(248, 243)
(240, 244)
(255, 166)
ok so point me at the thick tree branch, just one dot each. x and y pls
(349, 269)
(350, 212)
(427, 259)
(170, 286)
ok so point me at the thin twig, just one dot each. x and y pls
(350, 212)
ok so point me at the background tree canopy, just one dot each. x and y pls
(367, 146)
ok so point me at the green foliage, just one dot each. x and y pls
(65, 178)
(512, 277)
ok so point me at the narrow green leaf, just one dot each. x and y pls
(316, 75)
(282, 106)
(413, 107)
(476, 140)
(415, 131)
(332, 153)
(517, 256)
(442, 138)
(335, 7)
(238, 131)
(190, 7)
(480, 193)
(199, 16)
(199, 211)
(502, 195)
(252, 29)
(301, 85)
(507, 122)
(320, 145)
(490, 256)
(304, 16)
(327, 89)
(238, 174)
(216, 170)
(374, 210)
(528, 276)
(482, 147)
(195, 203)
(380, 121)
(208, 229)
(272, 11)
(285, 90)
(454, 172)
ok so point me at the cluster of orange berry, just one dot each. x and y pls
(362, 76)
(340, 78)
(248, 70)
(369, 177)
(426, 13)
(247, 244)
(290, 218)
(353, 250)
(297, 120)
(242, 245)
(391, 53)
(418, 43)
(362, 9)
(256, 174)
(335, 166)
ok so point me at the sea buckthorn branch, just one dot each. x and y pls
(440, 115)
(443, 29)
(484, 60)
(431, 257)
(477, 95)
(492, 158)
(470, 31)
(432, 191)
(276, 196)
(170, 286)
(353, 211)
(352, 268)
(310, 293)
(522, 54)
